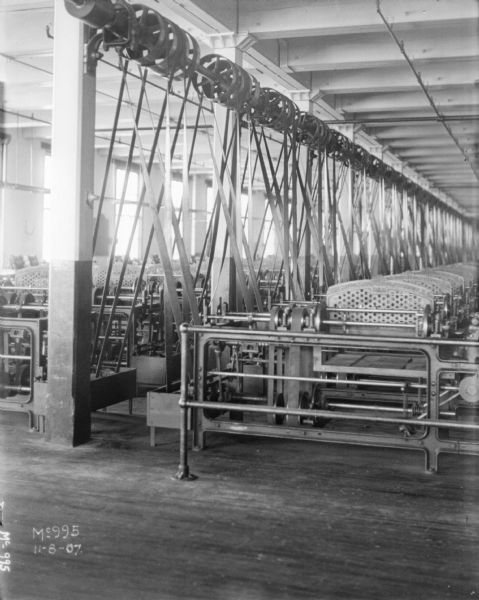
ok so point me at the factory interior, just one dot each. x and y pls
(239, 299)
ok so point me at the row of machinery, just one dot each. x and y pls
(132, 334)
(390, 361)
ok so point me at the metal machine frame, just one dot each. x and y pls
(197, 373)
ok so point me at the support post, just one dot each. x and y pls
(68, 419)
(183, 473)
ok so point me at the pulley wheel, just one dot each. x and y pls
(469, 389)
(276, 317)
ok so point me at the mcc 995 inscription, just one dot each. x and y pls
(5, 556)
(57, 539)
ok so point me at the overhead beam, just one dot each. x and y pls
(431, 129)
(419, 151)
(438, 75)
(15, 6)
(377, 50)
(448, 100)
(428, 160)
(431, 141)
(417, 115)
(271, 19)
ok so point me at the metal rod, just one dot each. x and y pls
(16, 388)
(248, 398)
(183, 472)
(367, 324)
(369, 407)
(373, 383)
(248, 318)
(386, 120)
(224, 333)
(276, 410)
(20, 307)
(21, 288)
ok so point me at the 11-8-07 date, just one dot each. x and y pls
(52, 549)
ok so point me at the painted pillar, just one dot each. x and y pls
(69, 336)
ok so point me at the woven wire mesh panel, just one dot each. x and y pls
(99, 274)
(467, 270)
(378, 294)
(32, 277)
(436, 284)
(457, 281)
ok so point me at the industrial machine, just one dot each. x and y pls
(134, 327)
(134, 340)
(391, 361)
(24, 344)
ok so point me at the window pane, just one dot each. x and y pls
(176, 194)
(209, 200)
(269, 241)
(131, 194)
(128, 213)
(124, 231)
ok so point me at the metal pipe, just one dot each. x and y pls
(20, 307)
(369, 407)
(36, 189)
(247, 318)
(16, 388)
(368, 324)
(19, 288)
(282, 336)
(276, 410)
(248, 397)
(15, 356)
(394, 384)
(386, 120)
(183, 472)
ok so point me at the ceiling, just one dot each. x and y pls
(403, 83)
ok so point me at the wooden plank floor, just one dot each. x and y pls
(266, 520)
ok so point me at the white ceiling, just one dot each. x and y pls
(338, 54)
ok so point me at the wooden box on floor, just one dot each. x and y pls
(162, 410)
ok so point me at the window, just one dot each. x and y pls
(127, 220)
(176, 194)
(210, 202)
(269, 240)
(47, 204)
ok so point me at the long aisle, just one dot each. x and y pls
(266, 520)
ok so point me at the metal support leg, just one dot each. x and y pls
(431, 456)
(183, 472)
